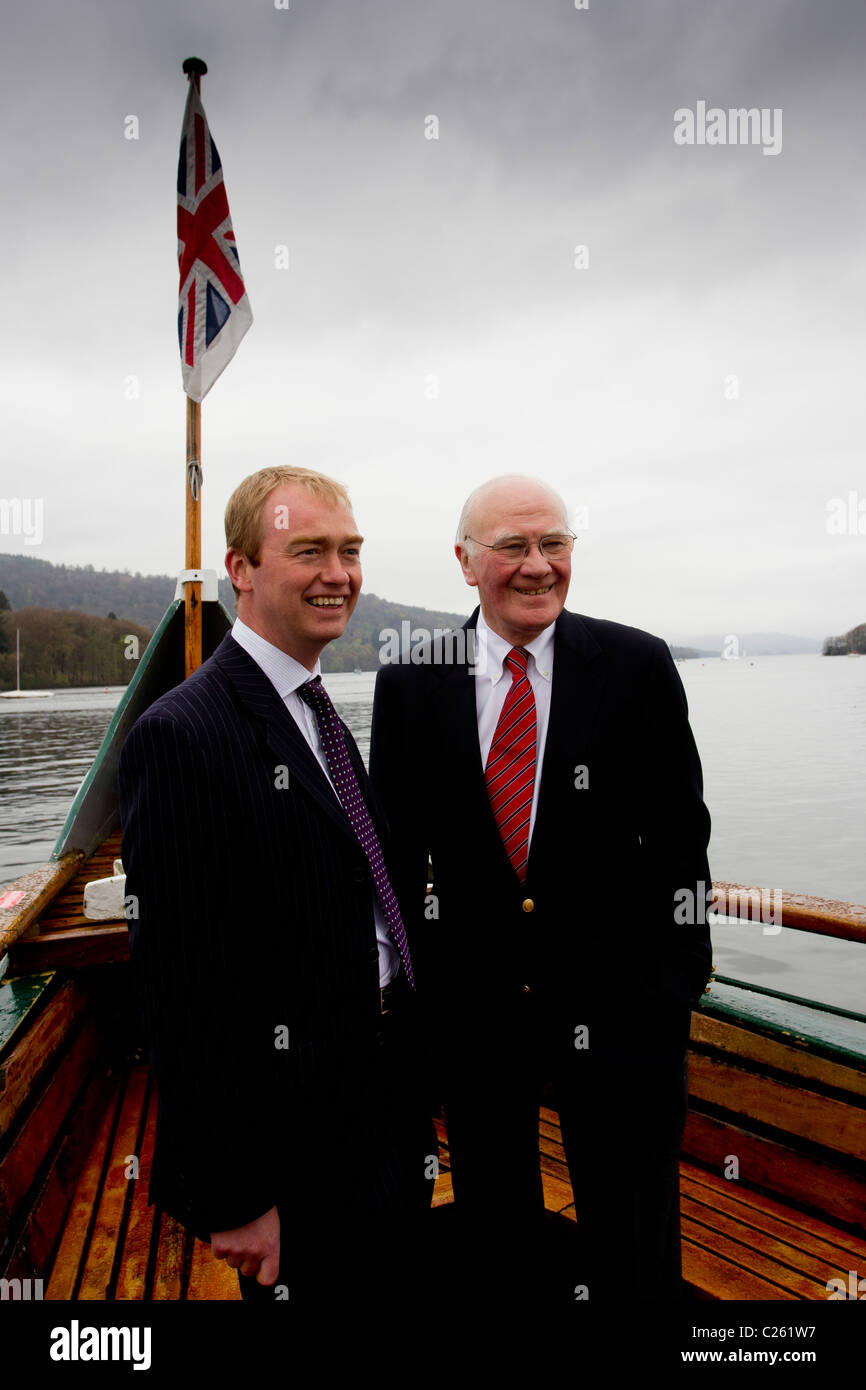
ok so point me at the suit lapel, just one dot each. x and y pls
(260, 700)
(455, 708)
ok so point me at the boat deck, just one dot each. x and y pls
(114, 1246)
(736, 1245)
(75, 1107)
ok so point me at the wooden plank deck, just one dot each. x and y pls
(114, 1246)
(737, 1243)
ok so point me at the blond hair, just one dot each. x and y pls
(243, 519)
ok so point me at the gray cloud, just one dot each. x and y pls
(451, 262)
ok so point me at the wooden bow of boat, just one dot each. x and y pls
(68, 1028)
(47, 902)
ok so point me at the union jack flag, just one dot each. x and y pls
(214, 311)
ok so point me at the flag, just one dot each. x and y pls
(214, 311)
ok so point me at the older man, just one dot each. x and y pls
(274, 976)
(544, 762)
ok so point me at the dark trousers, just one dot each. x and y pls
(622, 1112)
(353, 1220)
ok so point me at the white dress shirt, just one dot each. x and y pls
(285, 675)
(492, 683)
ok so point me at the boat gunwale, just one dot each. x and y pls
(821, 916)
(799, 911)
(40, 887)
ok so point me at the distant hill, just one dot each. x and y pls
(140, 598)
(139, 601)
(754, 643)
(370, 627)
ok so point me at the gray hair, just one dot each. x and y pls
(475, 497)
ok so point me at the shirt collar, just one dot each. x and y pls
(282, 670)
(541, 649)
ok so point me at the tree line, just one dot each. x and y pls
(62, 648)
(852, 641)
(65, 649)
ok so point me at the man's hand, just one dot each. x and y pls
(252, 1249)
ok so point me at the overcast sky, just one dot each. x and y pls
(697, 387)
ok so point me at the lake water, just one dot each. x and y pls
(783, 746)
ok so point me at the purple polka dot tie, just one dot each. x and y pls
(314, 694)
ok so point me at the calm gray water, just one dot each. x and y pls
(783, 746)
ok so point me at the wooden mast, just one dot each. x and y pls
(192, 588)
(195, 68)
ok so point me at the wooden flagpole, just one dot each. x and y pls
(195, 68)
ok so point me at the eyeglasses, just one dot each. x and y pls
(517, 547)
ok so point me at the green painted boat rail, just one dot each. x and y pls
(790, 998)
(93, 814)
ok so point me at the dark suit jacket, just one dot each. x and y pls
(600, 945)
(255, 915)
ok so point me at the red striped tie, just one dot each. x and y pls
(510, 771)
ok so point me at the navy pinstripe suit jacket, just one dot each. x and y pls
(254, 916)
